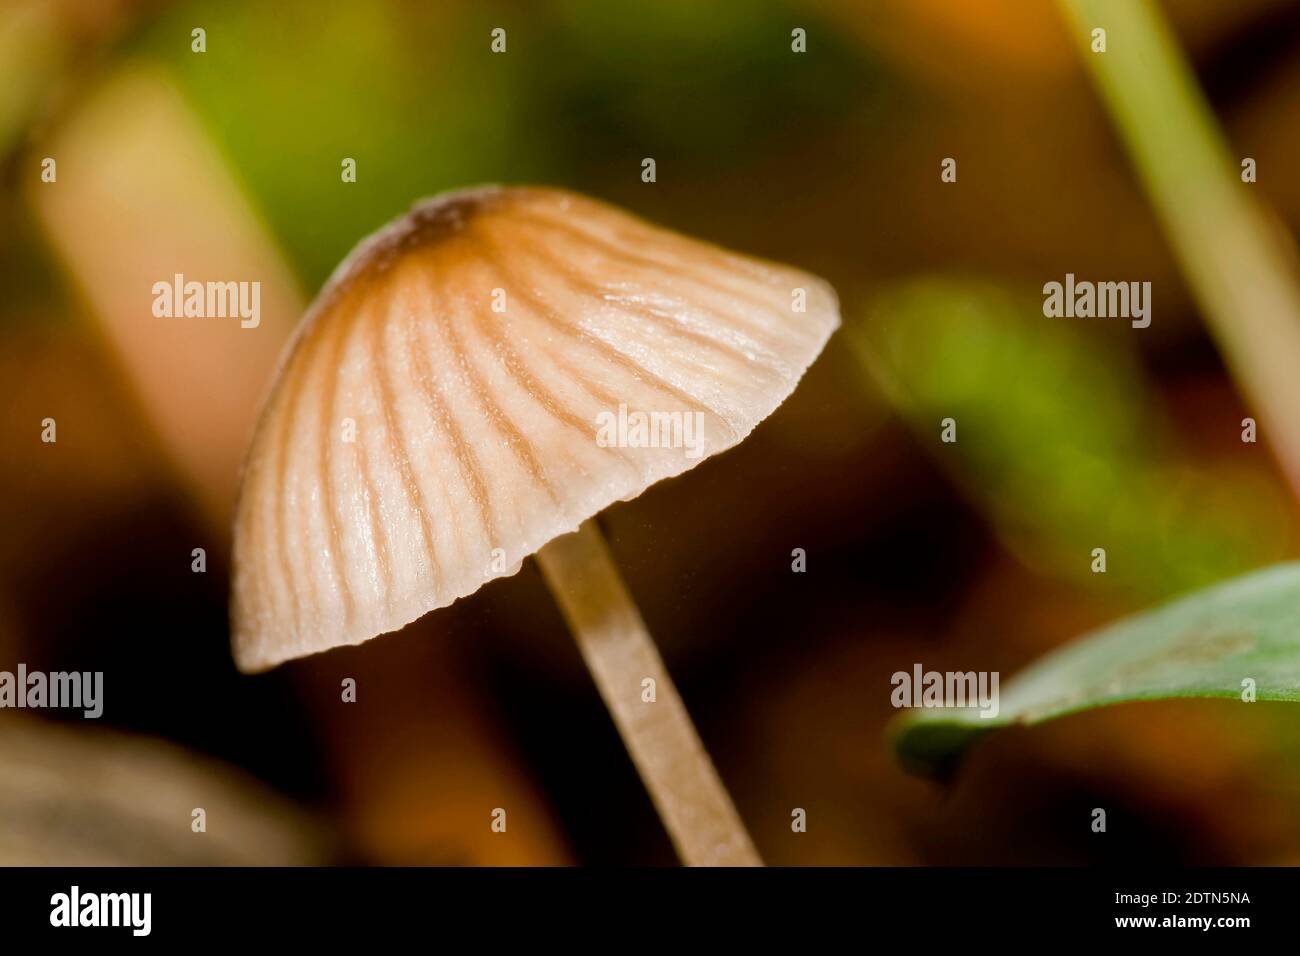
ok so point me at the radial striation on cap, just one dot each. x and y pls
(481, 376)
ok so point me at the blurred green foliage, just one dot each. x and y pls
(1062, 443)
(289, 91)
(414, 94)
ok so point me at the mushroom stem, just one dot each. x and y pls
(695, 807)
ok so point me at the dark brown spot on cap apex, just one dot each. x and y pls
(430, 222)
(447, 213)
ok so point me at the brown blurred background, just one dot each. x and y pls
(226, 163)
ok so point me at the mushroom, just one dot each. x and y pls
(474, 384)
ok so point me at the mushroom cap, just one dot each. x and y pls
(480, 376)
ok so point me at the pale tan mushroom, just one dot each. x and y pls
(465, 392)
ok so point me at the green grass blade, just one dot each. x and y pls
(1232, 256)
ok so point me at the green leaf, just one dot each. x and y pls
(1203, 645)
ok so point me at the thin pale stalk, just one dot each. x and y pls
(676, 769)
